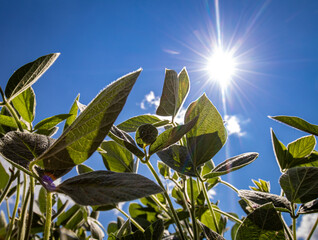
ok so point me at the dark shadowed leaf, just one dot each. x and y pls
(24, 103)
(66, 216)
(104, 207)
(82, 168)
(178, 158)
(232, 164)
(280, 151)
(124, 139)
(95, 229)
(302, 147)
(263, 223)
(28, 74)
(300, 184)
(51, 122)
(73, 112)
(137, 210)
(116, 158)
(208, 136)
(260, 198)
(146, 134)
(209, 234)
(298, 123)
(81, 139)
(133, 123)
(4, 177)
(106, 187)
(164, 170)
(171, 136)
(310, 207)
(48, 132)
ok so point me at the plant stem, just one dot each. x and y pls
(30, 213)
(161, 205)
(294, 220)
(130, 219)
(8, 235)
(312, 229)
(229, 185)
(194, 221)
(14, 115)
(7, 188)
(48, 221)
(287, 229)
(175, 216)
(23, 217)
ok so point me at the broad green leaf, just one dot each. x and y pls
(280, 151)
(75, 219)
(124, 229)
(106, 187)
(309, 207)
(232, 164)
(263, 223)
(24, 103)
(116, 158)
(28, 74)
(171, 136)
(208, 136)
(48, 132)
(4, 177)
(298, 123)
(310, 161)
(73, 112)
(178, 158)
(195, 188)
(104, 207)
(82, 168)
(80, 140)
(260, 198)
(124, 139)
(133, 123)
(137, 210)
(164, 170)
(65, 216)
(51, 122)
(42, 200)
(10, 122)
(300, 184)
(302, 147)
(61, 207)
(207, 219)
(174, 92)
(146, 134)
(209, 234)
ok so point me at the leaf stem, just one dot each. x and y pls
(13, 114)
(30, 213)
(160, 205)
(210, 207)
(7, 188)
(23, 215)
(229, 185)
(312, 229)
(294, 220)
(287, 229)
(194, 222)
(175, 216)
(48, 221)
(8, 235)
(131, 219)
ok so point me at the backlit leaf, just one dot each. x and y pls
(24, 103)
(208, 136)
(73, 112)
(82, 168)
(51, 122)
(28, 74)
(106, 187)
(81, 139)
(280, 152)
(4, 177)
(10, 122)
(302, 147)
(133, 123)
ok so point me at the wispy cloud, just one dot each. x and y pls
(150, 100)
(172, 52)
(233, 125)
(120, 206)
(180, 117)
(307, 222)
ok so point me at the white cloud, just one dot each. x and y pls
(307, 221)
(150, 100)
(180, 117)
(233, 125)
(211, 193)
(120, 206)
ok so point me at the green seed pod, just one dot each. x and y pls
(146, 134)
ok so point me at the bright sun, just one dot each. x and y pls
(221, 67)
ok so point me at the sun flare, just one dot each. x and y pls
(221, 67)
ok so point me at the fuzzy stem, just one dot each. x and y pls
(8, 235)
(229, 185)
(47, 228)
(294, 220)
(130, 219)
(287, 229)
(14, 115)
(30, 215)
(194, 222)
(23, 217)
(312, 229)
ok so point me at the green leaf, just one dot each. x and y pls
(4, 177)
(24, 103)
(28, 74)
(116, 158)
(164, 170)
(95, 229)
(125, 140)
(10, 122)
(178, 158)
(263, 223)
(309, 207)
(209, 234)
(208, 136)
(196, 191)
(3, 220)
(302, 147)
(104, 207)
(171, 136)
(232, 164)
(82, 138)
(298, 123)
(207, 219)
(262, 186)
(300, 184)
(260, 198)
(280, 151)
(73, 112)
(51, 122)
(174, 92)
(82, 168)
(133, 123)
(137, 210)
(48, 132)
(75, 219)
(146, 134)
(105, 187)
(65, 216)
(42, 200)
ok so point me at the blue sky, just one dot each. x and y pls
(99, 41)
